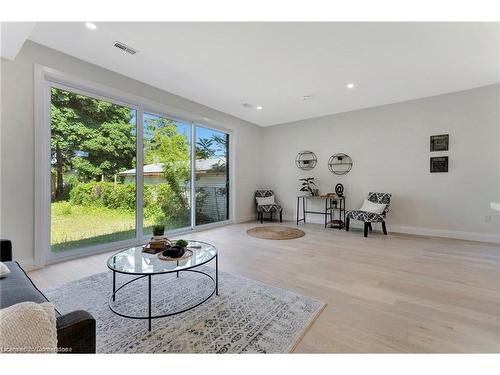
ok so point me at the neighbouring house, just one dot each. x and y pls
(211, 178)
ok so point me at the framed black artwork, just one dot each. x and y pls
(440, 142)
(439, 164)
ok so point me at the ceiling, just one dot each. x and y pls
(12, 37)
(273, 65)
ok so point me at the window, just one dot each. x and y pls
(99, 198)
(167, 173)
(212, 177)
(92, 141)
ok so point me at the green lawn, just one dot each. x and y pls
(75, 226)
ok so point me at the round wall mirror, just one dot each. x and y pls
(306, 160)
(340, 163)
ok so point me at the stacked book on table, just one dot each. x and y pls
(156, 245)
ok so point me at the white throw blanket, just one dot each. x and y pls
(28, 327)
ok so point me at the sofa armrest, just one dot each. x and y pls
(5, 250)
(76, 332)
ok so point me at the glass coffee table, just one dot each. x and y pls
(133, 261)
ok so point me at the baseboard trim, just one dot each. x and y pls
(468, 236)
(27, 264)
(420, 231)
(246, 219)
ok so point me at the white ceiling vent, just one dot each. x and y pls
(125, 48)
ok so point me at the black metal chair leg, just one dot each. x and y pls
(271, 215)
(261, 217)
(366, 230)
(370, 226)
(281, 216)
(347, 221)
(384, 228)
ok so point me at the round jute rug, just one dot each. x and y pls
(276, 233)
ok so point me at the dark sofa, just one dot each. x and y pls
(75, 330)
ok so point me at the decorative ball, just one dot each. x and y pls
(174, 251)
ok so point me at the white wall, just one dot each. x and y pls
(17, 138)
(390, 149)
(389, 146)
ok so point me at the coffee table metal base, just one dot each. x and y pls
(149, 317)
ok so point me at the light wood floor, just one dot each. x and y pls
(395, 293)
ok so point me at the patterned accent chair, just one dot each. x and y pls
(369, 217)
(268, 208)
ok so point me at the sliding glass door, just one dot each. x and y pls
(100, 198)
(166, 173)
(92, 141)
(211, 176)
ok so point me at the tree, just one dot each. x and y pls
(221, 142)
(93, 136)
(66, 134)
(109, 149)
(204, 148)
(163, 144)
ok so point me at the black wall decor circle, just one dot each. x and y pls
(306, 160)
(339, 190)
(340, 163)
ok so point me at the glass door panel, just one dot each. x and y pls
(93, 142)
(94, 179)
(211, 176)
(167, 173)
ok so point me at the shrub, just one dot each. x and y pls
(62, 208)
(70, 181)
(161, 205)
(66, 208)
(83, 194)
(154, 213)
(105, 194)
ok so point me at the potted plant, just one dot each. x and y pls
(307, 185)
(158, 231)
(182, 243)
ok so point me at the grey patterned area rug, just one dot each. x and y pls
(247, 317)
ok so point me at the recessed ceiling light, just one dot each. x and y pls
(350, 85)
(90, 25)
(248, 105)
(306, 97)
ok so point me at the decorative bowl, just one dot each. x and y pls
(174, 251)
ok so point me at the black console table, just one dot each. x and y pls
(332, 204)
